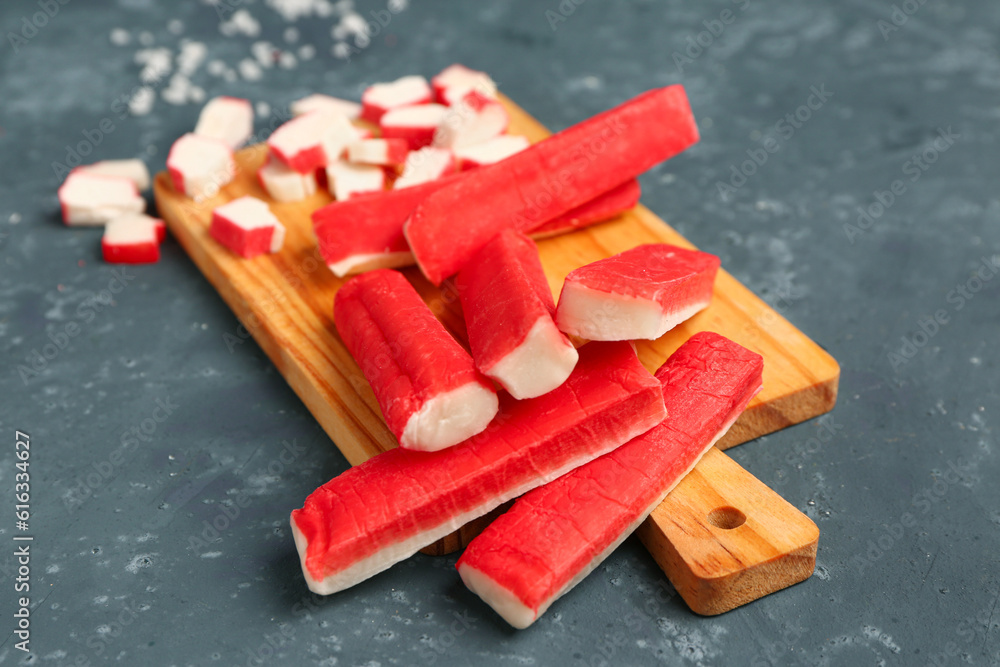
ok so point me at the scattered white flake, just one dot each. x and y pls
(175, 26)
(51, 569)
(146, 38)
(178, 91)
(217, 68)
(307, 52)
(293, 10)
(142, 102)
(14, 218)
(100, 599)
(156, 64)
(263, 52)
(120, 37)
(591, 82)
(191, 56)
(291, 35)
(287, 60)
(263, 109)
(341, 50)
(241, 22)
(211, 554)
(975, 361)
(139, 561)
(196, 94)
(396, 6)
(250, 70)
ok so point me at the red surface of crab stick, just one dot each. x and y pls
(430, 392)
(508, 311)
(555, 535)
(611, 203)
(386, 509)
(639, 294)
(548, 179)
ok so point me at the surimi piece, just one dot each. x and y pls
(430, 393)
(425, 165)
(382, 97)
(610, 204)
(384, 152)
(528, 189)
(199, 166)
(488, 152)
(474, 119)
(345, 179)
(313, 140)
(134, 170)
(454, 81)
(554, 536)
(90, 199)
(247, 227)
(641, 293)
(318, 102)
(228, 119)
(384, 510)
(283, 183)
(133, 239)
(416, 124)
(508, 313)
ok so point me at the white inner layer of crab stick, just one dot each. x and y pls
(384, 510)
(284, 183)
(247, 227)
(346, 179)
(473, 120)
(554, 536)
(228, 119)
(416, 124)
(90, 199)
(424, 165)
(639, 294)
(134, 170)
(199, 166)
(319, 102)
(132, 239)
(455, 81)
(488, 152)
(508, 314)
(313, 140)
(382, 97)
(386, 152)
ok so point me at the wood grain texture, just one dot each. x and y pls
(715, 564)
(285, 301)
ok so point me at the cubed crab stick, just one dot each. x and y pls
(313, 140)
(247, 227)
(228, 119)
(91, 199)
(382, 97)
(199, 167)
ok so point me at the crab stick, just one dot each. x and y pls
(313, 140)
(454, 81)
(133, 239)
(91, 199)
(383, 152)
(416, 124)
(346, 179)
(134, 170)
(425, 165)
(381, 97)
(488, 152)
(607, 206)
(228, 119)
(473, 120)
(283, 183)
(247, 227)
(319, 102)
(199, 166)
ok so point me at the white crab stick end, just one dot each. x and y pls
(455, 81)
(134, 170)
(385, 152)
(488, 152)
(382, 97)
(89, 199)
(247, 227)
(346, 179)
(424, 165)
(132, 239)
(199, 166)
(285, 184)
(313, 140)
(319, 102)
(228, 119)
(416, 124)
(474, 119)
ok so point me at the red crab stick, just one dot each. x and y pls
(548, 179)
(611, 203)
(430, 392)
(386, 509)
(508, 312)
(639, 294)
(557, 534)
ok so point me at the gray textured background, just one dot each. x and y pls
(883, 593)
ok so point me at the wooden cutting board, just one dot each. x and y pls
(285, 301)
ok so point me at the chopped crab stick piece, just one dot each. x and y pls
(384, 152)
(525, 190)
(133, 239)
(641, 293)
(475, 119)
(200, 166)
(386, 509)
(416, 124)
(607, 206)
(247, 227)
(313, 140)
(488, 152)
(508, 311)
(228, 119)
(284, 183)
(318, 102)
(430, 393)
(555, 535)
(90, 199)
(454, 81)
(382, 97)
(345, 179)
(134, 170)
(425, 165)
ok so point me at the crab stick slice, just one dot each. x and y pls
(641, 293)
(346, 179)
(416, 124)
(555, 535)
(313, 140)
(318, 102)
(425, 165)
(454, 81)
(430, 393)
(90, 199)
(548, 179)
(228, 119)
(384, 152)
(134, 170)
(607, 206)
(381, 97)
(133, 239)
(283, 183)
(475, 119)
(247, 227)
(488, 152)
(508, 311)
(200, 166)
(386, 509)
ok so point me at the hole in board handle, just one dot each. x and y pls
(726, 518)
